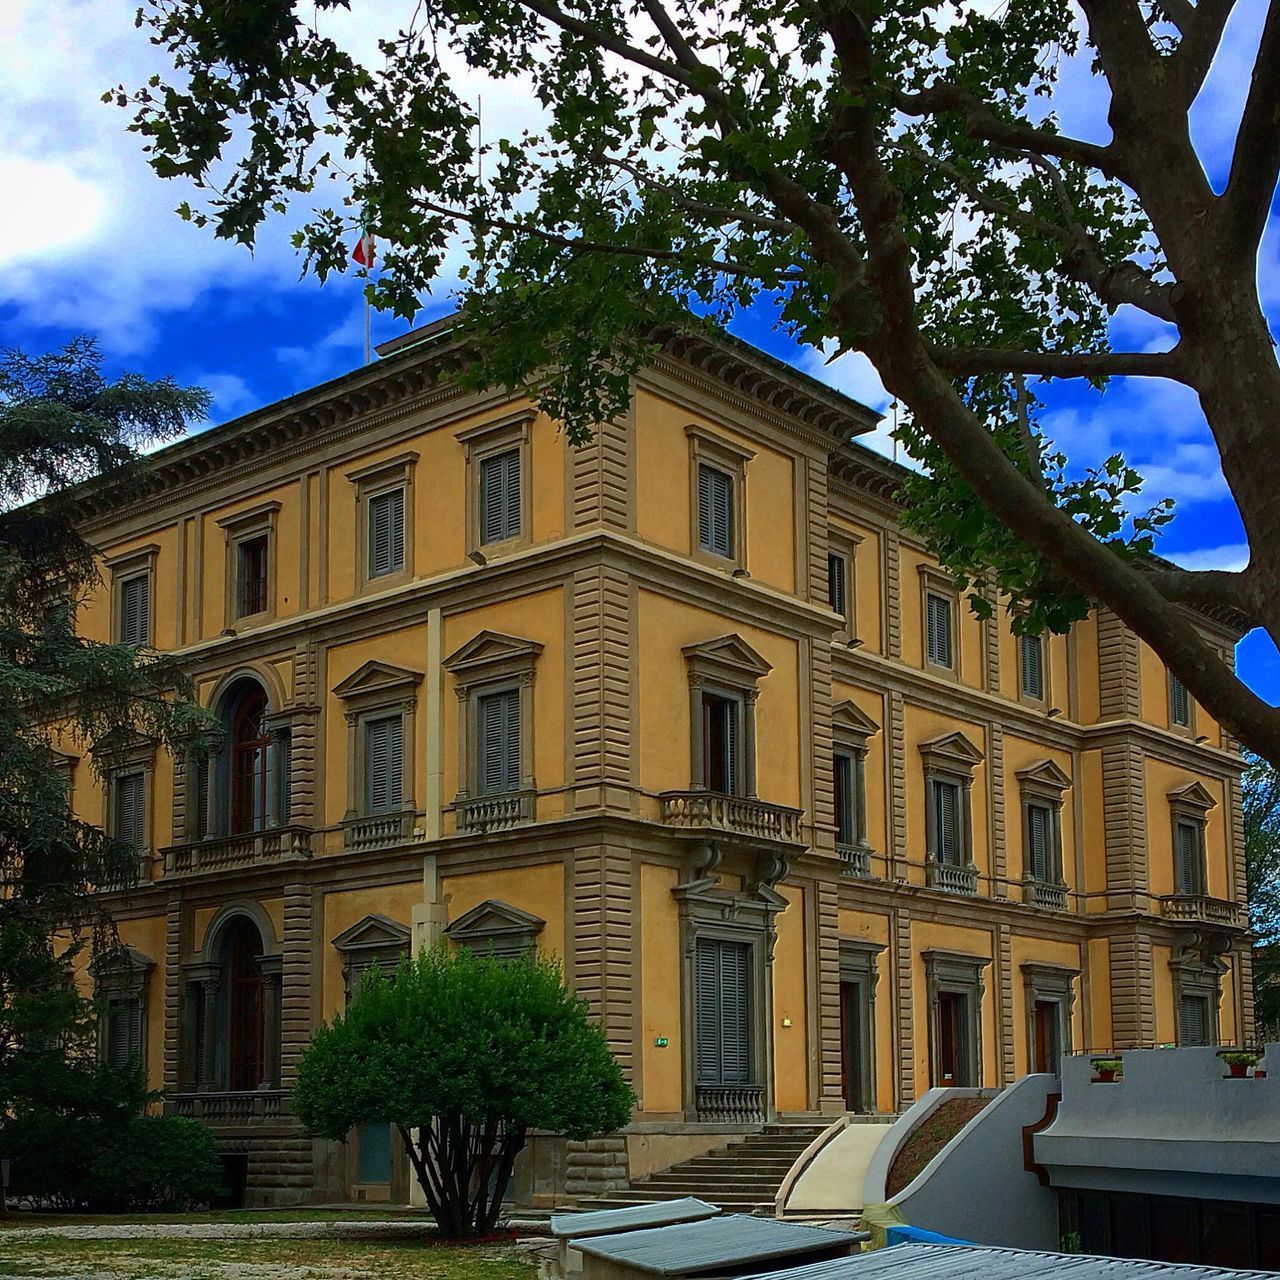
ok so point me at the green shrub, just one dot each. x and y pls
(143, 1163)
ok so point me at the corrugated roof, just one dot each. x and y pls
(602, 1222)
(695, 1248)
(979, 1262)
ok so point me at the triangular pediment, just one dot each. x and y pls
(493, 918)
(374, 931)
(1195, 796)
(730, 652)
(1046, 774)
(376, 677)
(849, 718)
(492, 648)
(120, 959)
(954, 749)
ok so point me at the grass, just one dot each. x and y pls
(333, 1257)
(928, 1138)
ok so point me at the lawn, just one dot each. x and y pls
(335, 1255)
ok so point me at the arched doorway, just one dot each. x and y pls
(245, 1007)
(250, 762)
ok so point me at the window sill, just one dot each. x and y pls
(480, 815)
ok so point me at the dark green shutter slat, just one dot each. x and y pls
(1032, 654)
(1039, 820)
(732, 772)
(1179, 702)
(722, 982)
(386, 533)
(511, 495)
(837, 584)
(947, 818)
(1195, 1022)
(707, 1011)
(385, 763)
(500, 497)
(135, 609)
(938, 619)
(844, 800)
(715, 511)
(1187, 851)
(511, 744)
(128, 814)
(704, 508)
(500, 742)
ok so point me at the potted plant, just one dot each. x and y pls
(1107, 1069)
(1239, 1063)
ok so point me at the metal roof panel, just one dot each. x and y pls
(602, 1222)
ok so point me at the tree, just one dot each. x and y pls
(1261, 807)
(63, 426)
(889, 173)
(463, 1055)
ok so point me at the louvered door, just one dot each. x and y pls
(722, 977)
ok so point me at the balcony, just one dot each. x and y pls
(231, 1108)
(1197, 908)
(855, 860)
(249, 849)
(378, 831)
(483, 814)
(730, 1103)
(950, 878)
(737, 815)
(1048, 897)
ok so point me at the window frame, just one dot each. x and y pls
(123, 975)
(935, 583)
(951, 759)
(484, 442)
(139, 563)
(245, 526)
(1190, 806)
(707, 448)
(843, 546)
(851, 732)
(370, 483)
(955, 974)
(727, 668)
(1044, 785)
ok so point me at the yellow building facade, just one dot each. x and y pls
(687, 709)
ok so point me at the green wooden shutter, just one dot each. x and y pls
(135, 610)
(1031, 655)
(1039, 840)
(499, 755)
(127, 816)
(1186, 836)
(732, 765)
(938, 623)
(946, 797)
(1179, 702)
(1194, 1027)
(838, 584)
(704, 508)
(386, 533)
(384, 764)
(722, 1009)
(843, 771)
(500, 496)
(715, 511)
(707, 1010)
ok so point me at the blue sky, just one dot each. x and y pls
(89, 243)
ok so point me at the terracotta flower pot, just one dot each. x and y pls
(1106, 1075)
(1239, 1070)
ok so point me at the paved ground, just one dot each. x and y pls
(263, 1250)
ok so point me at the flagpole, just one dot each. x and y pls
(368, 348)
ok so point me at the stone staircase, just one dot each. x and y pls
(743, 1177)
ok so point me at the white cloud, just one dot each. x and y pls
(1234, 556)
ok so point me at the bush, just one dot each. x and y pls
(143, 1163)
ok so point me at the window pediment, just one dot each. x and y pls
(850, 722)
(378, 681)
(497, 928)
(1194, 796)
(121, 971)
(1046, 776)
(952, 753)
(729, 658)
(491, 656)
(373, 933)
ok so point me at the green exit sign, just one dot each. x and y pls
(660, 1041)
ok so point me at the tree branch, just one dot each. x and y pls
(972, 361)
(1211, 587)
(1199, 45)
(1182, 13)
(1255, 163)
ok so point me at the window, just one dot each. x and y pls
(135, 610)
(384, 764)
(245, 1007)
(721, 766)
(250, 744)
(128, 814)
(1043, 844)
(120, 981)
(496, 928)
(386, 533)
(251, 575)
(838, 583)
(1193, 1020)
(723, 1010)
(954, 988)
(499, 747)
(121, 1031)
(1188, 856)
(850, 797)
(500, 496)
(1031, 667)
(938, 646)
(948, 837)
(715, 511)
(1179, 703)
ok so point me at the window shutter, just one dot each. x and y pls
(285, 766)
(386, 533)
(732, 771)
(499, 716)
(947, 817)
(384, 752)
(201, 798)
(1031, 651)
(135, 610)
(500, 496)
(715, 511)
(1039, 839)
(722, 999)
(1179, 702)
(843, 796)
(838, 584)
(707, 1011)
(1195, 1020)
(127, 818)
(1186, 857)
(938, 621)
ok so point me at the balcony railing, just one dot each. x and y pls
(1198, 908)
(251, 848)
(735, 814)
(231, 1108)
(378, 831)
(950, 878)
(730, 1103)
(1049, 897)
(855, 860)
(483, 814)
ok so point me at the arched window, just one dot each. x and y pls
(245, 1005)
(249, 761)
